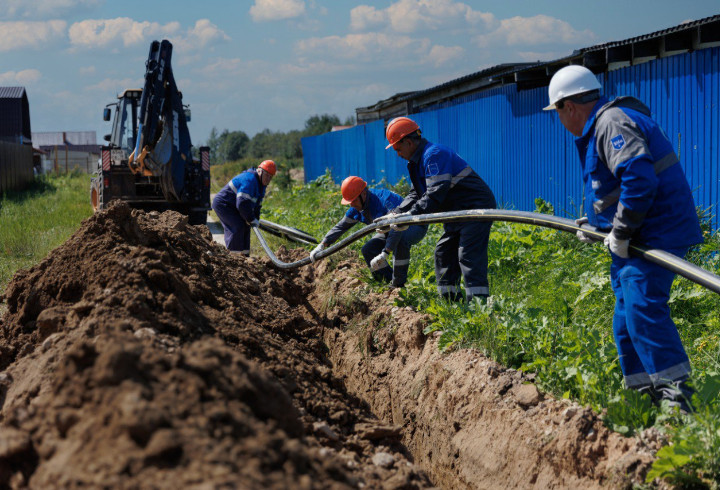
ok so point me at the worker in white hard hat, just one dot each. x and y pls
(636, 190)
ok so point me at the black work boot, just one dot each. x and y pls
(651, 392)
(678, 393)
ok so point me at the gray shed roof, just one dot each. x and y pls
(11, 92)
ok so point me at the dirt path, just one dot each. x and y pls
(142, 354)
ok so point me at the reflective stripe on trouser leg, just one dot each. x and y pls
(372, 249)
(236, 231)
(447, 267)
(473, 257)
(401, 253)
(647, 340)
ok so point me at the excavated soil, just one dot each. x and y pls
(141, 354)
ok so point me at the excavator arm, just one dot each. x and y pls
(163, 148)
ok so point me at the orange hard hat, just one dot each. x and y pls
(398, 128)
(351, 189)
(268, 166)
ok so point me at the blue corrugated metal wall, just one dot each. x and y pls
(524, 153)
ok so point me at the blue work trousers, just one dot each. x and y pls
(463, 250)
(397, 276)
(236, 229)
(647, 340)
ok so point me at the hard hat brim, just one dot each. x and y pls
(345, 201)
(551, 107)
(389, 146)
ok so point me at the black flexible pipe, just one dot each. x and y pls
(660, 257)
(288, 232)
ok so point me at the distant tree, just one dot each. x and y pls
(234, 145)
(292, 147)
(319, 124)
(213, 143)
(264, 144)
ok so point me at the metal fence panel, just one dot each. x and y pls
(16, 166)
(524, 153)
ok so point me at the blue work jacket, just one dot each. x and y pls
(249, 193)
(634, 182)
(379, 203)
(442, 181)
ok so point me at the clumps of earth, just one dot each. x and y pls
(141, 354)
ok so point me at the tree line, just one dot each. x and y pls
(229, 146)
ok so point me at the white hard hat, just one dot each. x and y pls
(569, 81)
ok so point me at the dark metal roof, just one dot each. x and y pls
(497, 70)
(653, 35)
(11, 92)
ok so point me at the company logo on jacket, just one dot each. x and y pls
(618, 142)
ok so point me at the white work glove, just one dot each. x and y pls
(316, 251)
(255, 223)
(580, 235)
(617, 246)
(397, 227)
(381, 218)
(380, 261)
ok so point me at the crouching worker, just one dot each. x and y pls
(366, 205)
(238, 205)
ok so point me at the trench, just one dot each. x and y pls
(467, 421)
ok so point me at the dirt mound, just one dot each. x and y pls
(142, 354)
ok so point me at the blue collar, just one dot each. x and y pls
(417, 155)
(593, 116)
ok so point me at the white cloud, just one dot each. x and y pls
(267, 10)
(201, 35)
(22, 34)
(101, 33)
(123, 31)
(531, 31)
(364, 47)
(440, 55)
(23, 77)
(409, 16)
(110, 87)
(44, 8)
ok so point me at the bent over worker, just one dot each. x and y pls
(365, 206)
(442, 181)
(635, 188)
(238, 204)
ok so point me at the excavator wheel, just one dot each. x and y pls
(95, 197)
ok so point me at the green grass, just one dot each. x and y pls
(38, 219)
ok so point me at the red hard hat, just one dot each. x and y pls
(398, 128)
(351, 189)
(268, 166)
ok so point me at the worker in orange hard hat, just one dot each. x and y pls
(442, 181)
(365, 205)
(238, 204)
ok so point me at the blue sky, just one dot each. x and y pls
(256, 64)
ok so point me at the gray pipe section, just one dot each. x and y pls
(660, 257)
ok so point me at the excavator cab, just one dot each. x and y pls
(124, 127)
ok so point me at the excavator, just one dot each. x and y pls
(148, 161)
